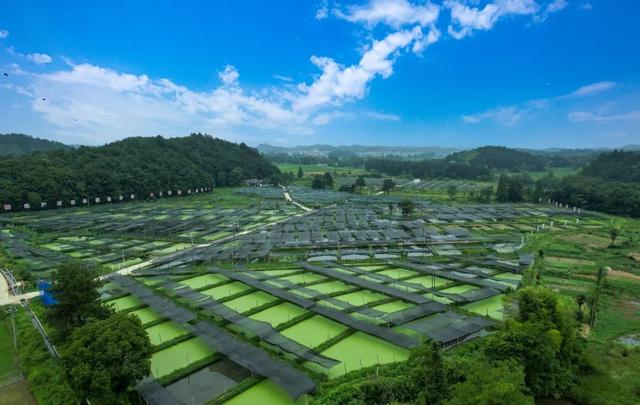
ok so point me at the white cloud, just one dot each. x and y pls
(466, 19)
(550, 8)
(586, 6)
(592, 89)
(394, 13)
(585, 116)
(229, 75)
(322, 11)
(4, 34)
(556, 6)
(338, 83)
(39, 58)
(382, 116)
(329, 117)
(514, 114)
(283, 78)
(506, 116)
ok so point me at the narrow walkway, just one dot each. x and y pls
(288, 198)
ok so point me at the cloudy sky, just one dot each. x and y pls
(530, 73)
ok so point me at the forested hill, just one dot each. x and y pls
(615, 166)
(20, 144)
(499, 157)
(137, 166)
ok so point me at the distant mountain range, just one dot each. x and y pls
(429, 152)
(20, 144)
(425, 152)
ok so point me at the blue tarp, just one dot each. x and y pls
(47, 298)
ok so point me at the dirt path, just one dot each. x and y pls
(288, 198)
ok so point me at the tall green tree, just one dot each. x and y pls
(388, 185)
(300, 173)
(328, 180)
(542, 338)
(318, 182)
(490, 384)
(407, 207)
(613, 235)
(360, 182)
(106, 358)
(75, 290)
(430, 372)
(502, 192)
(452, 190)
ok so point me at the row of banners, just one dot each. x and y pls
(120, 198)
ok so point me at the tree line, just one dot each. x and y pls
(20, 144)
(136, 165)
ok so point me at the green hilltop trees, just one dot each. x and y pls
(105, 358)
(138, 166)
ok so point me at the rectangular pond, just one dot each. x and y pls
(179, 356)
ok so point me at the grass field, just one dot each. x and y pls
(7, 365)
(310, 170)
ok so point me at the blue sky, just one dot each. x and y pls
(528, 73)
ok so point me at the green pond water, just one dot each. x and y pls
(397, 272)
(164, 332)
(361, 350)
(264, 393)
(361, 297)
(393, 306)
(146, 315)
(226, 290)
(314, 331)
(278, 314)
(491, 307)
(178, 356)
(429, 282)
(459, 289)
(304, 278)
(279, 272)
(126, 302)
(373, 267)
(509, 276)
(330, 287)
(203, 280)
(250, 301)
